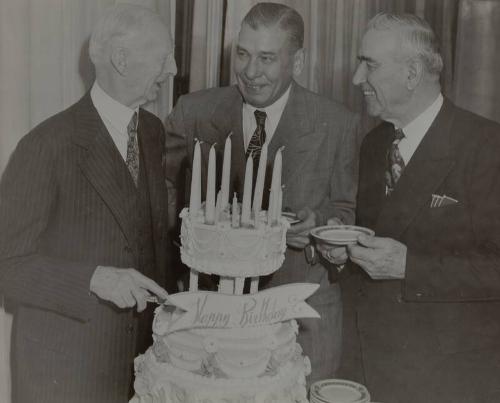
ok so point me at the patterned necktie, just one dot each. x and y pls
(258, 137)
(132, 159)
(395, 163)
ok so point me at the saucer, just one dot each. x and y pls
(339, 234)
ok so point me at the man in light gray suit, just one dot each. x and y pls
(319, 159)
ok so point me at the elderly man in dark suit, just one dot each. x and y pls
(83, 222)
(425, 301)
(319, 160)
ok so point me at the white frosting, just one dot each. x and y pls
(233, 252)
(225, 353)
(163, 382)
(261, 364)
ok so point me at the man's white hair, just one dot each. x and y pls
(119, 23)
(417, 37)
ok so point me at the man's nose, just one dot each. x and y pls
(171, 66)
(252, 69)
(359, 75)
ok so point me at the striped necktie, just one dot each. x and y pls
(132, 160)
(395, 163)
(258, 137)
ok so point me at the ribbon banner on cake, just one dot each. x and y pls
(205, 309)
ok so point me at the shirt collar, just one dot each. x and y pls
(419, 126)
(117, 114)
(275, 110)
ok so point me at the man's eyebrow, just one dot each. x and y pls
(268, 53)
(367, 59)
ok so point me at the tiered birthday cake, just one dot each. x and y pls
(228, 346)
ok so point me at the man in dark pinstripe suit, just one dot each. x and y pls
(83, 222)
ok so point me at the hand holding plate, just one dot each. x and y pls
(381, 258)
(298, 235)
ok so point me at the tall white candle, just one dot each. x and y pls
(235, 214)
(280, 203)
(217, 207)
(226, 172)
(195, 195)
(247, 192)
(210, 196)
(259, 184)
(270, 207)
(276, 184)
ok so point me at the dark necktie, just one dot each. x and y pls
(258, 137)
(132, 159)
(395, 163)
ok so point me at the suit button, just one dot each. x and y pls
(130, 328)
(127, 249)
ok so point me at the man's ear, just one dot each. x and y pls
(119, 59)
(415, 73)
(298, 61)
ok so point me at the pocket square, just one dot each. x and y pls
(441, 201)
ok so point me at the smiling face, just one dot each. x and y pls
(265, 64)
(149, 63)
(382, 75)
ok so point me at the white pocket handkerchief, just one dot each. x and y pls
(441, 201)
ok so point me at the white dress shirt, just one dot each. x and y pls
(415, 130)
(273, 111)
(115, 116)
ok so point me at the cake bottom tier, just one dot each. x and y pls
(158, 382)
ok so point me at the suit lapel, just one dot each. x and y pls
(295, 132)
(428, 167)
(152, 158)
(103, 164)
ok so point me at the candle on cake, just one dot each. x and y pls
(210, 195)
(195, 194)
(247, 192)
(259, 184)
(235, 216)
(275, 187)
(226, 172)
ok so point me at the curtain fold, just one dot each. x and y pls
(206, 44)
(476, 86)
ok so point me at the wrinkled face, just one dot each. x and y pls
(382, 75)
(150, 62)
(264, 64)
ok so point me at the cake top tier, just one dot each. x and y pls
(230, 250)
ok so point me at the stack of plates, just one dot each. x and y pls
(338, 391)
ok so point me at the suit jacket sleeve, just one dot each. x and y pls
(341, 202)
(469, 273)
(27, 197)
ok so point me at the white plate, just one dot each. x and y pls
(338, 391)
(340, 234)
(291, 217)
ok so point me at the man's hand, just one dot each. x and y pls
(298, 234)
(124, 287)
(381, 258)
(334, 254)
